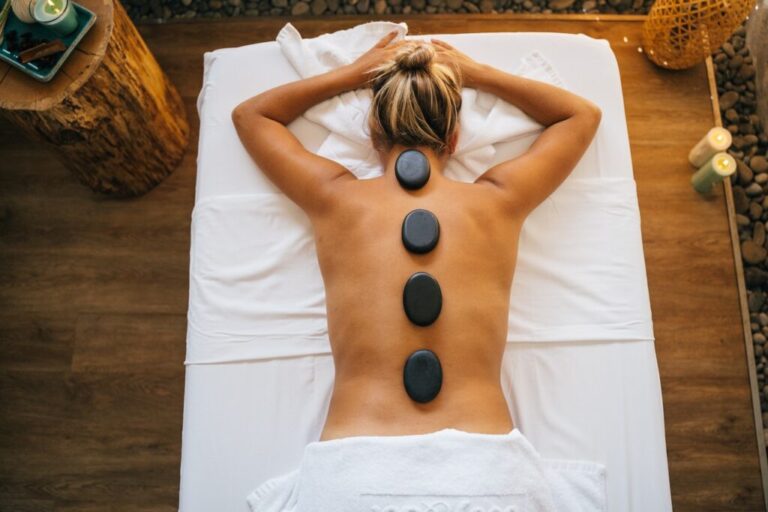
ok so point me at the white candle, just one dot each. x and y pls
(717, 139)
(720, 166)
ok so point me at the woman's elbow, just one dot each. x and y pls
(246, 114)
(591, 117)
(596, 112)
(239, 114)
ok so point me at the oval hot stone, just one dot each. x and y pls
(412, 169)
(421, 231)
(422, 299)
(422, 375)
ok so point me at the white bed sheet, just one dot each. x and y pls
(590, 392)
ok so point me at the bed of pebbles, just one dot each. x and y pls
(738, 108)
(162, 10)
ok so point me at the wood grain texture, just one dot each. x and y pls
(81, 277)
(124, 129)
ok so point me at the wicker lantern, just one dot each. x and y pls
(679, 34)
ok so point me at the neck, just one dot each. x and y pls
(436, 162)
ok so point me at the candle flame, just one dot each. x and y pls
(719, 137)
(51, 7)
(723, 163)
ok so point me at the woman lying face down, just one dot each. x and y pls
(417, 267)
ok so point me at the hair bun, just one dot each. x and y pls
(415, 57)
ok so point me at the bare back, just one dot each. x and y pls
(365, 266)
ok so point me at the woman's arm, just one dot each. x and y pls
(571, 123)
(570, 120)
(261, 123)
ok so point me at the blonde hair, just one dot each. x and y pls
(416, 100)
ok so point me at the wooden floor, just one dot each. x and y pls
(94, 295)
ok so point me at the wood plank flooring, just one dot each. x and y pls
(94, 294)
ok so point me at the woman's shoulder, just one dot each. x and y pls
(375, 196)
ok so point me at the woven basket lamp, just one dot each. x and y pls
(679, 34)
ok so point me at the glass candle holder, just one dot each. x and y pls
(713, 171)
(58, 15)
(717, 139)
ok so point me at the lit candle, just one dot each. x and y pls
(717, 139)
(713, 171)
(58, 15)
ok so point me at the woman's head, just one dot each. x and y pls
(416, 100)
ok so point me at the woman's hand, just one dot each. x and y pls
(471, 70)
(367, 62)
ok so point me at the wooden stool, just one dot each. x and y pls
(110, 112)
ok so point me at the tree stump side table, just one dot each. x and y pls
(110, 112)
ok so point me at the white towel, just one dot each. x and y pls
(443, 471)
(485, 119)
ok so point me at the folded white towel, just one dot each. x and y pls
(485, 119)
(443, 471)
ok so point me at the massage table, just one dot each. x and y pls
(579, 372)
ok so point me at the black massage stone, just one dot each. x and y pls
(422, 375)
(422, 299)
(420, 231)
(412, 169)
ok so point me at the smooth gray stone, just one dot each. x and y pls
(422, 299)
(412, 169)
(422, 375)
(421, 231)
